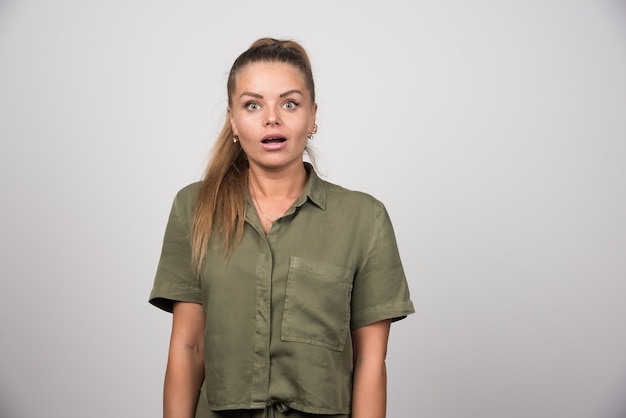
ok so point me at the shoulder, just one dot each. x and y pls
(190, 189)
(189, 192)
(335, 191)
(185, 199)
(339, 197)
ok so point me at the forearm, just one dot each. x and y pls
(183, 378)
(369, 393)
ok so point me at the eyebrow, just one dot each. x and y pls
(287, 93)
(258, 96)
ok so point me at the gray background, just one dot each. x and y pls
(494, 131)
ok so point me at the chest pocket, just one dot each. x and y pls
(317, 304)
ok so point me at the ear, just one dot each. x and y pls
(232, 121)
(313, 115)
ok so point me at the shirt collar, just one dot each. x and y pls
(315, 190)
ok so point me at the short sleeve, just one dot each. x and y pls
(380, 288)
(175, 279)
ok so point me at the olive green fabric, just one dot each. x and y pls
(271, 411)
(280, 309)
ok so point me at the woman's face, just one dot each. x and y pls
(272, 114)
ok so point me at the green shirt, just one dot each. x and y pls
(280, 309)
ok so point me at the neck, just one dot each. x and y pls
(278, 185)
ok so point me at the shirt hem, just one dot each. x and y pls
(164, 297)
(291, 405)
(369, 317)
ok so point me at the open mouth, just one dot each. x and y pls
(274, 140)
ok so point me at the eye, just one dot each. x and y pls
(290, 105)
(252, 106)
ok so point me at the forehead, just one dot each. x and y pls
(268, 76)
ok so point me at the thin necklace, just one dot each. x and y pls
(270, 220)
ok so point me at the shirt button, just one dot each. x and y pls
(279, 220)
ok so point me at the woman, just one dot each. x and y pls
(282, 286)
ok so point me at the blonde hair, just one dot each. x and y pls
(221, 201)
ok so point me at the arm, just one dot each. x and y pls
(185, 363)
(369, 392)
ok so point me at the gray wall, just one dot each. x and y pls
(494, 131)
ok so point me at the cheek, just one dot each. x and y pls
(238, 124)
(243, 121)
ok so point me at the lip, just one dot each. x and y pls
(273, 145)
(273, 135)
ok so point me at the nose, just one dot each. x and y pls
(272, 118)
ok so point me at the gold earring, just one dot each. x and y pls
(312, 134)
